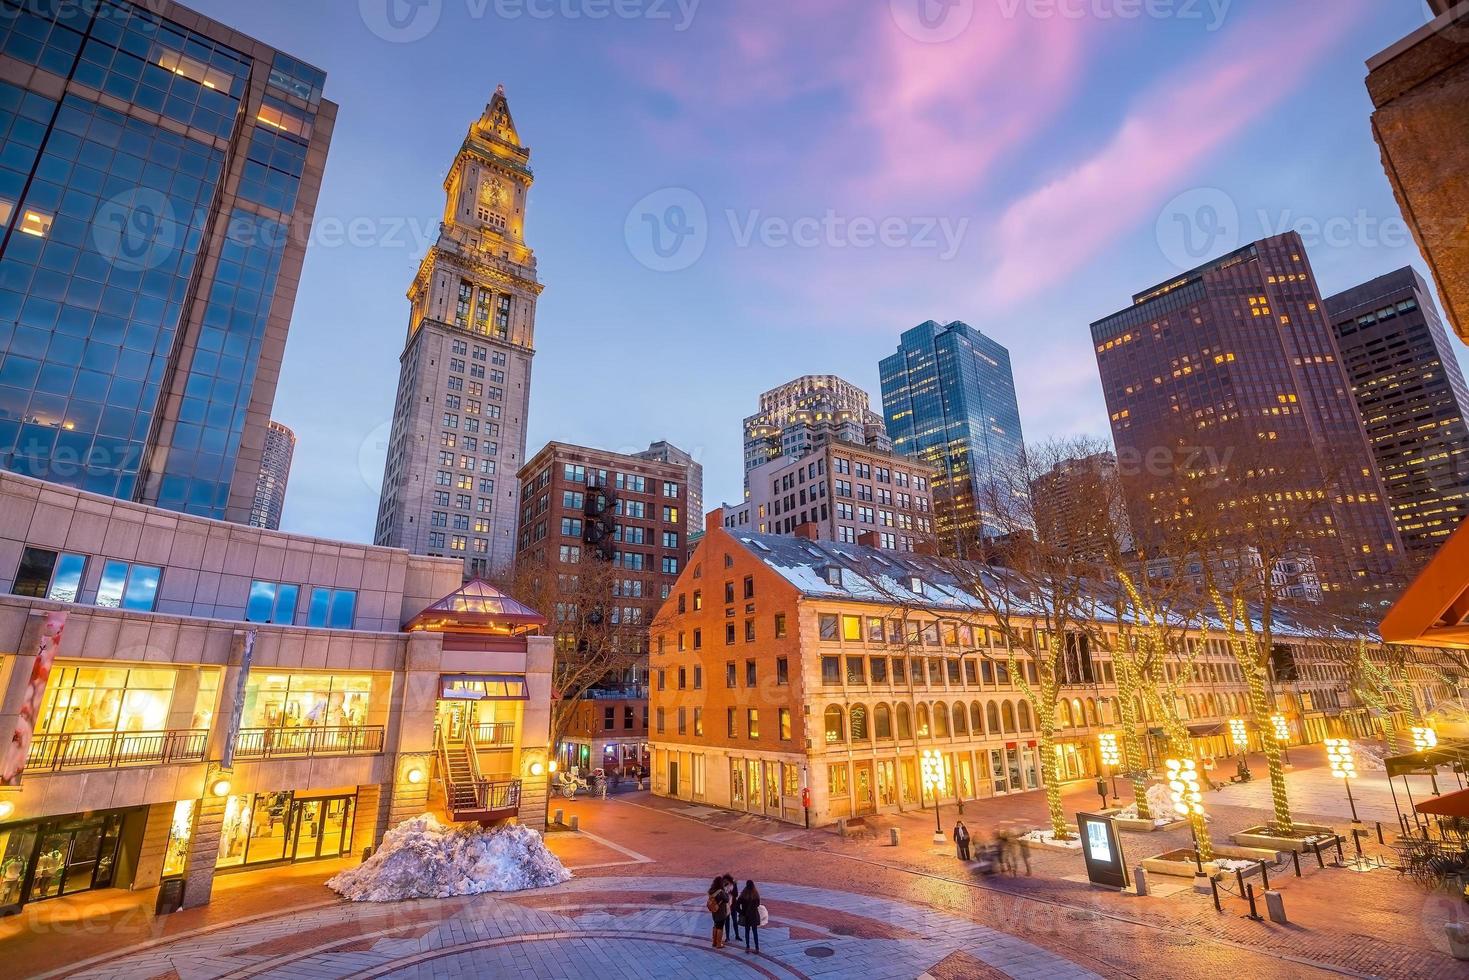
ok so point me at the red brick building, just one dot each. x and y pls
(606, 528)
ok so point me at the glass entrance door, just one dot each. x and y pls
(866, 802)
(323, 828)
(69, 857)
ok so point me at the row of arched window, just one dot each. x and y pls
(886, 722)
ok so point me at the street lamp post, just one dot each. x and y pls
(1111, 758)
(1241, 738)
(1423, 740)
(1183, 785)
(1343, 767)
(933, 781)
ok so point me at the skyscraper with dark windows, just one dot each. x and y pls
(1412, 398)
(949, 398)
(158, 175)
(1231, 371)
(275, 476)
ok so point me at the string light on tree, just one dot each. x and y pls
(1111, 755)
(1282, 734)
(1238, 734)
(1424, 739)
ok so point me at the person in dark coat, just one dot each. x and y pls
(749, 906)
(735, 920)
(718, 905)
(961, 841)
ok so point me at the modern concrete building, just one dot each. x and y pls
(836, 666)
(184, 697)
(1411, 396)
(807, 413)
(275, 476)
(667, 452)
(949, 398)
(158, 180)
(1419, 87)
(1235, 365)
(459, 423)
(1079, 507)
(845, 493)
(609, 530)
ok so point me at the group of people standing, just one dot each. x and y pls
(1004, 852)
(730, 907)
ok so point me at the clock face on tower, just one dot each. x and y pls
(493, 194)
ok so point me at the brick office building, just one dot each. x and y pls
(781, 664)
(612, 528)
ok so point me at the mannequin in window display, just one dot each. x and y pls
(11, 873)
(48, 870)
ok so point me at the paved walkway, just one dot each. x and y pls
(653, 927)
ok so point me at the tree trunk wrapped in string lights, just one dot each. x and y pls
(1128, 720)
(1249, 651)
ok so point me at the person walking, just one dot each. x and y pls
(961, 841)
(1024, 846)
(718, 906)
(732, 888)
(749, 906)
(1005, 838)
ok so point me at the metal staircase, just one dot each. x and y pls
(468, 795)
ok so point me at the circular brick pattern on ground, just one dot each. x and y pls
(657, 927)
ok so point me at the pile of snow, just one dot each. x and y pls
(1232, 865)
(1160, 804)
(1369, 756)
(422, 858)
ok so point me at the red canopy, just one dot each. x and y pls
(1454, 804)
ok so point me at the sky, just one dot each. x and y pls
(733, 193)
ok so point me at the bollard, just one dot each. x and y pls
(1140, 880)
(894, 835)
(559, 817)
(1265, 876)
(1254, 912)
(1275, 906)
(575, 823)
(841, 828)
(1214, 885)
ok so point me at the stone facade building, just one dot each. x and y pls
(459, 422)
(812, 411)
(227, 697)
(1419, 88)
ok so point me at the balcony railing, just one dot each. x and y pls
(104, 750)
(494, 735)
(274, 743)
(498, 796)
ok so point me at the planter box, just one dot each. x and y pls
(1145, 826)
(1261, 837)
(1181, 864)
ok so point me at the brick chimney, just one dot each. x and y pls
(809, 531)
(868, 539)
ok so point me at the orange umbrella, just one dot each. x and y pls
(1454, 804)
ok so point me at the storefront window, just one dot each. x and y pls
(300, 700)
(837, 780)
(180, 832)
(736, 782)
(107, 699)
(205, 700)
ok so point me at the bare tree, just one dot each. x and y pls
(596, 638)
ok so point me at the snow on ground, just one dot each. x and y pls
(422, 858)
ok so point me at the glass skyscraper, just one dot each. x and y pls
(158, 172)
(949, 398)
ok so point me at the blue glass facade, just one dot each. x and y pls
(136, 278)
(949, 399)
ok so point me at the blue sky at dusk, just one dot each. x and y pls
(732, 194)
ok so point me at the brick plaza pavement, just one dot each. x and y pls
(840, 907)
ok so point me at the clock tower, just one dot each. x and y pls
(459, 424)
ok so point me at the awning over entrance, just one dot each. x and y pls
(1449, 805)
(1205, 730)
(482, 687)
(1425, 762)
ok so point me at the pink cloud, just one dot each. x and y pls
(1045, 236)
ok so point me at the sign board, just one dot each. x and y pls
(1101, 847)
